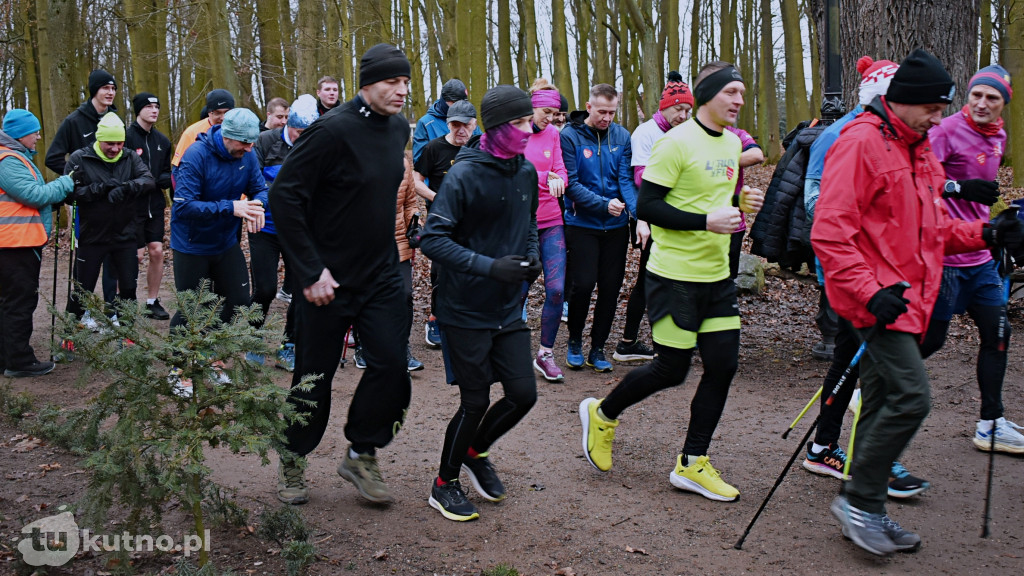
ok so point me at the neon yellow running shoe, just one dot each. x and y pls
(598, 434)
(702, 478)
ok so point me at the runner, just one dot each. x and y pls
(338, 190)
(544, 151)
(688, 196)
(482, 234)
(970, 145)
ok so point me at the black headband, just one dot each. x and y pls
(713, 84)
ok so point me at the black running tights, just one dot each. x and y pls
(719, 352)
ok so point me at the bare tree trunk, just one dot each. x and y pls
(474, 44)
(694, 40)
(528, 20)
(985, 57)
(1012, 56)
(727, 30)
(288, 37)
(670, 27)
(797, 105)
(584, 26)
(748, 41)
(650, 66)
(505, 70)
(769, 112)
(812, 26)
(562, 75)
(603, 59)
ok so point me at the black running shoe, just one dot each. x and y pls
(903, 484)
(157, 311)
(481, 473)
(450, 501)
(632, 351)
(828, 462)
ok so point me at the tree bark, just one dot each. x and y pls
(694, 40)
(562, 75)
(504, 48)
(1013, 59)
(985, 58)
(727, 30)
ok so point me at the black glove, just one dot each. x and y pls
(413, 233)
(116, 195)
(1005, 232)
(511, 269)
(534, 269)
(887, 306)
(981, 191)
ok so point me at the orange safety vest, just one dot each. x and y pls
(20, 226)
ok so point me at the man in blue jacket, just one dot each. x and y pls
(25, 222)
(599, 200)
(434, 123)
(208, 210)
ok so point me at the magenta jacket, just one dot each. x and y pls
(966, 154)
(544, 151)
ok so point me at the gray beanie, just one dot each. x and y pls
(241, 124)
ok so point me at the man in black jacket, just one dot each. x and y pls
(481, 234)
(337, 190)
(155, 150)
(108, 180)
(79, 128)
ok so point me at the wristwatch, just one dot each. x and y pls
(952, 188)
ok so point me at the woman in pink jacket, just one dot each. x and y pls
(544, 151)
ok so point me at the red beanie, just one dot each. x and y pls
(675, 93)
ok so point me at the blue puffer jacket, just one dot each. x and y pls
(207, 182)
(433, 124)
(599, 171)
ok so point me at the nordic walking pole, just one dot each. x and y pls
(53, 298)
(802, 412)
(1008, 265)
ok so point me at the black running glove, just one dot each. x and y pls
(116, 195)
(981, 191)
(1004, 232)
(887, 306)
(534, 269)
(511, 269)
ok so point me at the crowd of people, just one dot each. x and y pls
(898, 195)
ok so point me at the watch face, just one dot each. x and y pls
(951, 186)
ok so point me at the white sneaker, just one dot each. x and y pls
(89, 322)
(1007, 437)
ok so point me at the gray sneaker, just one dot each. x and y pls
(903, 540)
(291, 483)
(865, 529)
(364, 473)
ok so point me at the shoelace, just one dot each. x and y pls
(891, 525)
(370, 466)
(293, 477)
(454, 492)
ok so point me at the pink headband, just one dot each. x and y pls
(546, 99)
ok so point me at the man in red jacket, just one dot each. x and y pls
(880, 221)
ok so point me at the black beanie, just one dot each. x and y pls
(921, 79)
(564, 106)
(218, 99)
(143, 99)
(98, 79)
(454, 90)
(382, 62)
(504, 103)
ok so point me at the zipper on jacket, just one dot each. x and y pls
(600, 164)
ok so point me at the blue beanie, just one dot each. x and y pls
(994, 76)
(19, 123)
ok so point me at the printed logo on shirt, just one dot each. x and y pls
(139, 151)
(547, 153)
(587, 153)
(981, 158)
(723, 167)
(998, 149)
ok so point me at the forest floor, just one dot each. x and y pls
(561, 516)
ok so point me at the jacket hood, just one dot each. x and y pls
(891, 122)
(435, 110)
(213, 140)
(472, 152)
(578, 116)
(6, 140)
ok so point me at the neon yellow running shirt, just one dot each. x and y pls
(701, 171)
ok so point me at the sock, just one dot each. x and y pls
(472, 453)
(689, 459)
(150, 301)
(817, 448)
(439, 482)
(352, 454)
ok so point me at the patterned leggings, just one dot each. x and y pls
(552, 256)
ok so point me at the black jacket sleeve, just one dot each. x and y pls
(652, 208)
(59, 148)
(443, 219)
